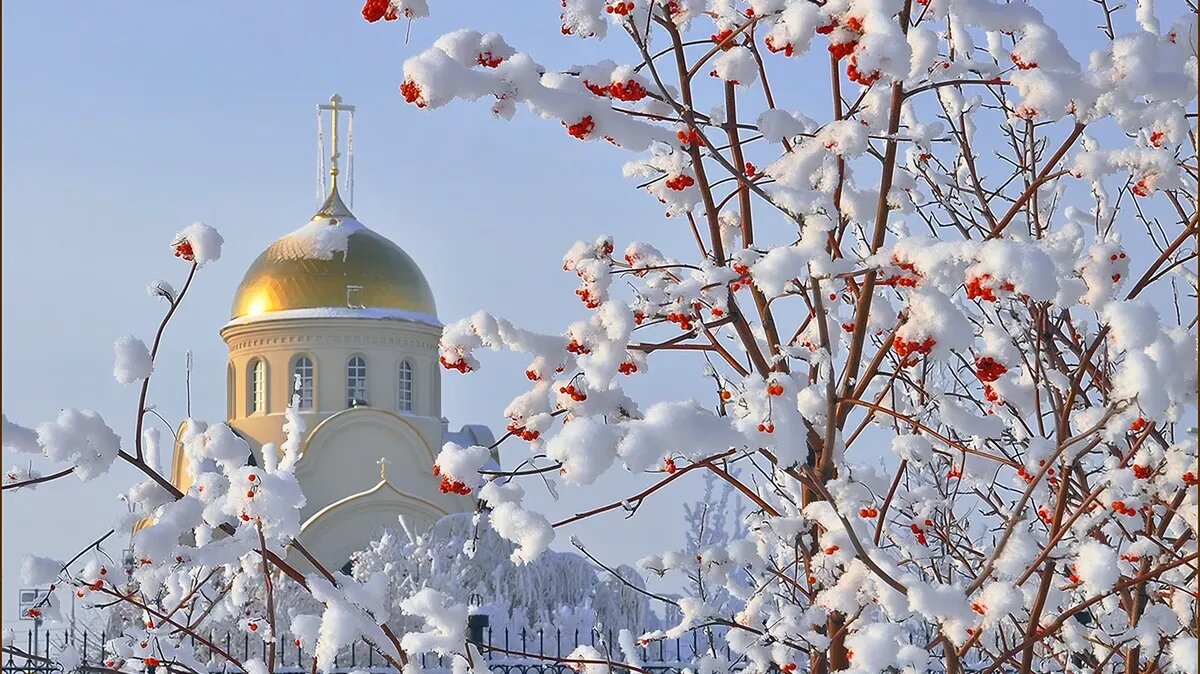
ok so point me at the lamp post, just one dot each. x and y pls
(476, 622)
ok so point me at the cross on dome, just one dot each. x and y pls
(334, 106)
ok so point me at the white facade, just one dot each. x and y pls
(367, 378)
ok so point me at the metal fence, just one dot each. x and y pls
(507, 651)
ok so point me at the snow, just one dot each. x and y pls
(320, 239)
(445, 618)
(205, 241)
(133, 361)
(736, 66)
(39, 571)
(1096, 566)
(20, 439)
(81, 438)
(1184, 655)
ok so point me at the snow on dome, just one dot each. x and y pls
(333, 262)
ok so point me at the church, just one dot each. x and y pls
(343, 320)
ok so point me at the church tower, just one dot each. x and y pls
(341, 317)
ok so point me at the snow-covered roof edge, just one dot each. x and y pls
(376, 313)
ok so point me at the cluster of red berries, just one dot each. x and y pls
(669, 466)
(680, 182)
(688, 137)
(374, 10)
(1139, 424)
(449, 486)
(722, 39)
(460, 365)
(621, 8)
(910, 350)
(629, 91)
(869, 513)
(908, 277)
(576, 394)
(1132, 559)
(1074, 575)
(767, 427)
(843, 49)
(253, 627)
(919, 532)
(775, 389)
(1189, 478)
(589, 300)
(523, 433)
(627, 368)
(1142, 472)
(684, 320)
(787, 47)
(1157, 138)
(789, 667)
(532, 375)
(582, 128)
(1121, 508)
(598, 89)
(864, 78)
(988, 369)
(577, 348)
(953, 473)
(151, 662)
(1028, 476)
(1045, 514)
(183, 250)
(983, 287)
(831, 549)
(1022, 65)
(489, 60)
(978, 608)
(412, 93)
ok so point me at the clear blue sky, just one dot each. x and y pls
(122, 122)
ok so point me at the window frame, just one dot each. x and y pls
(406, 388)
(256, 403)
(312, 381)
(351, 388)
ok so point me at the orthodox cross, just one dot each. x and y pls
(335, 106)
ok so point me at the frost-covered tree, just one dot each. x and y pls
(467, 560)
(949, 316)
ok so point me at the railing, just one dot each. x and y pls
(507, 651)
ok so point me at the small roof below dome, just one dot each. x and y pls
(333, 262)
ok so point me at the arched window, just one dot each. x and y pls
(257, 400)
(302, 381)
(406, 387)
(356, 382)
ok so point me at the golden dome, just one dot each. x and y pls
(333, 262)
